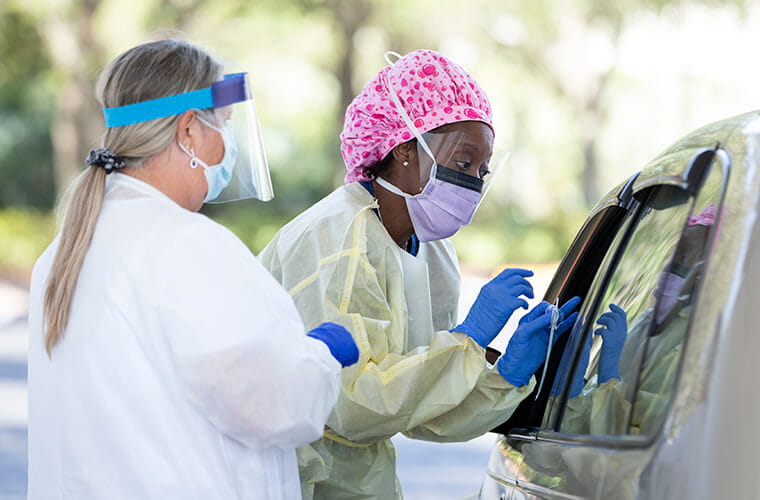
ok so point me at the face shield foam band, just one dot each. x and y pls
(245, 175)
(231, 90)
(458, 178)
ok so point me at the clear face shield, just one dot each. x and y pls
(457, 158)
(228, 107)
(452, 172)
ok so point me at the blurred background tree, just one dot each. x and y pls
(584, 93)
(26, 111)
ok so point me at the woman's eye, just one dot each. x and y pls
(463, 165)
(484, 171)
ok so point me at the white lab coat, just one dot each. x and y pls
(184, 372)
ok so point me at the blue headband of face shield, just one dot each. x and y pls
(231, 90)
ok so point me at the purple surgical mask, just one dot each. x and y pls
(441, 209)
(449, 199)
(668, 290)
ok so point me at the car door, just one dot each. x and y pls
(584, 437)
(573, 278)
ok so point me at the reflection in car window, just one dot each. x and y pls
(633, 342)
(674, 306)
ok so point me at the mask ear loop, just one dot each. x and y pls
(402, 111)
(210, 125)
(194, 160)
(392, 53)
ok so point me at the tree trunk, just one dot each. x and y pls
(349, 15)
(73, 134)
(78, 120)
(589, 176)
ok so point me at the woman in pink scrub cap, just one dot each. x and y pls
(374, 256)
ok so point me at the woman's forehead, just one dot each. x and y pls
(474, 134)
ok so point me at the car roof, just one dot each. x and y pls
(672, 165)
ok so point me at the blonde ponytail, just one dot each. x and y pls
(148, 71)
(79, 221)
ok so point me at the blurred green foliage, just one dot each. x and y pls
(584, 93)
(26, 108)
(255, 230)
(24, 234)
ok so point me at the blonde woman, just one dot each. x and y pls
(164, 361)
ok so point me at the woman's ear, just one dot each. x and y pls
(404, 170)
(405, 153)
(186, 128)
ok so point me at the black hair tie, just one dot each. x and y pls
(101, 157)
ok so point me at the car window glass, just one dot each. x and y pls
(573, 278)
(632, 343)
(676, 293)
(621, 322)
(576, 334)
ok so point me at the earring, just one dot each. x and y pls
(406, 163)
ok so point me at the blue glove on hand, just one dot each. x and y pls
(529, 344)
(339, 340)
(496, 302)
(613, 333)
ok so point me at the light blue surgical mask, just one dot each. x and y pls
(218, 176)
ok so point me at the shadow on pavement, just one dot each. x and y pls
(13, 371)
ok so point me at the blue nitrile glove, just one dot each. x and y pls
(339, 340)
(613, 333)
(529, 344)
(496, 302)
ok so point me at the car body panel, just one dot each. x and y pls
(708, 431)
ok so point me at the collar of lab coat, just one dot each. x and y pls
(119, 179)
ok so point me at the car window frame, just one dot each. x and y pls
(594, 237)
(691, 183)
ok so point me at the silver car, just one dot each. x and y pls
(655, 392)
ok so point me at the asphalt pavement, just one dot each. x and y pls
(13, 347)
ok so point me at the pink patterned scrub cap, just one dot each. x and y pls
(433, 90)
(705, 218)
